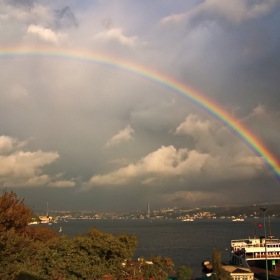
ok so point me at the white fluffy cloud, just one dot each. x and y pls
(116, 35)
(8, 144)
(183, 164)
(46, 34)
(165, 162)
(122, 136)
(23, 168)
(193, 126)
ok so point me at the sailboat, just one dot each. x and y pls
(60, 229)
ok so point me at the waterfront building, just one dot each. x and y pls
(238, 273)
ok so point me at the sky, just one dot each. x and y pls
(85, 135)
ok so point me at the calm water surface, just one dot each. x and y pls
(187, 243)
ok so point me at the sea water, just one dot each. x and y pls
(187, 243)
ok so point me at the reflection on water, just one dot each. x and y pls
(187, 243)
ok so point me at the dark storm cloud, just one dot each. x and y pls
(234, 54)
(65, 18)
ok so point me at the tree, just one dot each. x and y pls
(159, 269)
(13, 212)
(41, 233)
(218, 272)
(17, 254)
(184, 273)
(216, 259)
(18, 244)
(87, 257)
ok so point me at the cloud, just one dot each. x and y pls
(165, 162)
(227, 153)
(235, 12)
(20, 168)
(115, 35)
(23, 3)
(192, 197)
(122, 136)
(18, 93)
(8, 144)
(25, 12)
(207, 136)
(193, 126)
(216, 156)
(119, 161)
(46, 34)
(62, 184)
(65, 18)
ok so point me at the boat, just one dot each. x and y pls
(46, 219)
(60, 229)
(255, 251)
(238, 220)
(188, 220)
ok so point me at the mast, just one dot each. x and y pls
(269, 229)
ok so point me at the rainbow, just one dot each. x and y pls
(186, 91)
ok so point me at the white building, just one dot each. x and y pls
(239, 273)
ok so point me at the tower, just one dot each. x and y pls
(148, 211)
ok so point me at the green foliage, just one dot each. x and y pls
(17, 254)
(184, 273)
(159, 270)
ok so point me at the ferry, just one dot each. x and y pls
(188, 220)
(238, 220)
(255, 250)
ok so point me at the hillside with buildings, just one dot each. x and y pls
(213, 212)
